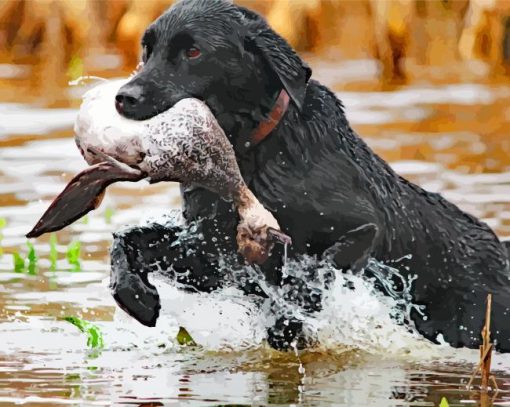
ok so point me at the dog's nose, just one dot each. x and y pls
(128, 98)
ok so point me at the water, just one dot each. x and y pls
(449, 138)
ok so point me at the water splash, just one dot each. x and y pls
(302, 373)
(354, 315)
(397, 287)
(82, 80)
(284, 262)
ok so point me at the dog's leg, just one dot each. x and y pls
(353, 249)
(300, 291)
(287, 332)
(138, 251)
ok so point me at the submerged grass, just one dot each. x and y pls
(18, 263)
(32, 259)
(73, 255)
(94, 335)
(108, 214)
(184, 338)
(444, 402)
(28, 264)
(53, 252)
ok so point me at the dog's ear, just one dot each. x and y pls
(292, 71)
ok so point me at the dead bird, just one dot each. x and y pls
(183, 144)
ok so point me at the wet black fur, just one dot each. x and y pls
(326, 188)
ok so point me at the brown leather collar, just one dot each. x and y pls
(266, 126)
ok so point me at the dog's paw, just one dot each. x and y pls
(138, 299)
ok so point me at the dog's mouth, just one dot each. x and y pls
(140, 114)
(85, 192)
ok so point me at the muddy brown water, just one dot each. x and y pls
(451, 138)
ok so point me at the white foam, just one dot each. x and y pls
(221, 320)
(354, 316)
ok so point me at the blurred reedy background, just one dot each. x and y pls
(51, 41)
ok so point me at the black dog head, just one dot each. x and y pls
(218, 52)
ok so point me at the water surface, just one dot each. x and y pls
(450, 138)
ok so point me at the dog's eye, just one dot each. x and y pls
(193, 52)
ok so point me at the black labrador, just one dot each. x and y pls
(300, 157)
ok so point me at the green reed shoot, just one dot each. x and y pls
(184, 338)
(32, 259)
(28, 264)
(94, 335)
(73, 255)
(18, 263)
(53, 252)
(444, 402)
(108, 214)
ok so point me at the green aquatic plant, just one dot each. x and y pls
(444, 402)
(28, 264)
(32, 259)
(3, 223)
(94, 335)
(108, 214)
(53, 252)
(85, 220)
(184, 338)
(18, 263)
(73, 255)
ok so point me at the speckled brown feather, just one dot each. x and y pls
(184, 144)
(83, 194)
